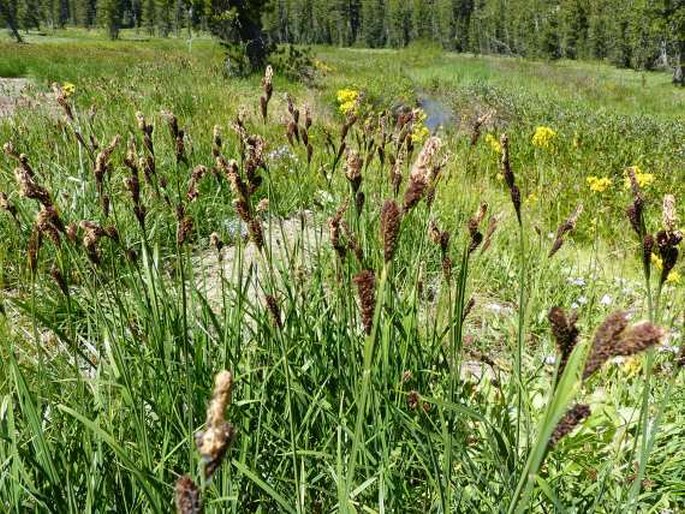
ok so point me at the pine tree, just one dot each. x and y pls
(373, 22)
(239, 23)
(109, 14)
(149, 16)
(8, 14)
(674, 17)
(29, 14)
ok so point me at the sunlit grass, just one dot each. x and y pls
(105, 377)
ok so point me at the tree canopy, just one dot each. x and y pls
(640, 34)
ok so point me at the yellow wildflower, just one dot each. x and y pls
(68, 89)
(495, 145)
(597, 184)
(419, 131)
(420, 134)
(643, 179)
(322, 66)
(347, 100)
(543, 137)
(673, 277)
(657, 262)
(632, 366)
(531, 199)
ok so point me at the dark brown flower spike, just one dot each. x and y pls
(58, 277)
(647, 247)
(613, 338)
(573, 417)
(634, 210)
(49, 224)
(92, 233)
(353, 170)
(390, 228)
(489, 233)
(274, 310)
(29, 188)
(473, 226)
(196, 175)
(188, 499)
(178, 135)
(335, 234)
(667, 240)
(366, 289)
(185, 225)
(509, 177)
(566, 227)
(352, 242)
(667, 244)
(565, 334)
(477, 127)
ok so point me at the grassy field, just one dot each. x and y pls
(413, 322)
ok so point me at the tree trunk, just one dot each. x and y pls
(679, 69)
(6, 12)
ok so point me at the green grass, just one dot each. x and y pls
(104, 386)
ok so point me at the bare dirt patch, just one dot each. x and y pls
(290, 245)
(14, 93)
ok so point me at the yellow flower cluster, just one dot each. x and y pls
(673, 277)
(347, 100)
(598, 184)
(643, 179)
(632, 366)
(322, 66)
(495, 145)
(656, 261)
(419, 131)
(543, 137)
(68, 89)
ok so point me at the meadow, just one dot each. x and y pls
(414, 282)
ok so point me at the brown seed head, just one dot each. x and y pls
(366, 289)
(334, 232)
(49, 224)
(413, 399)
(254, 228)
(614, 338)
(188, 500)
(490, 231)
(184, 229)
(565, 333)
(566, 227)
(353, 167)
(667, 243)
(274, 310)
(59, 279)
(509, 176)
(647, 247)
(215, 440)
(29, 188)
(390, 228)
(573, 417)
